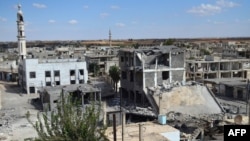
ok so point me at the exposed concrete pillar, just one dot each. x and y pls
(143, 74)
(230, 68)
(219, 73)
(184, 72)
(170, 66)
(194, 74)
(140, 132)
(135, 97)
(104, 113)
(129, 97)
(143, 99)
(235, 94)
(123, 125)
(156, 67)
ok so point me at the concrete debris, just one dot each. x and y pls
(194, 100)
(7, 117)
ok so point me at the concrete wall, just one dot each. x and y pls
(159, 78)
(177, 60)
(177, 75)
(149, 79)
(32, 65)
(172, 136)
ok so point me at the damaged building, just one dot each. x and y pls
(219, 68)
(84, 92)
(147, 67)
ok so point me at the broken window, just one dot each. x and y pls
(81, 81)
(57, 73)
(126, 59)
(81, 72)
(72, 82)
(48, 83)
(164, 60)
(72, 72)
(47, 74)
(124, 75)
(57, 82)
(32, 89)
(165, 75)
(131, 76)
(132, 61)
(32, 74)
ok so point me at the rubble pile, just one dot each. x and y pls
(7, 117)
(193, 126)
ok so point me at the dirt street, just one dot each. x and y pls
(14, 105)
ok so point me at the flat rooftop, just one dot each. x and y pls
(150, 132)
(87, 88)
(223, 80)
(216, 61)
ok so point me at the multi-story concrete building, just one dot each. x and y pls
(104, 61)
(34, 73)
(221, 68)
(38, 73)
(235, 52)
(149, 67)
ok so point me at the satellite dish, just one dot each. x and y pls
(238, 119)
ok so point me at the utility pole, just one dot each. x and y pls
(248, 102)
(123, 124)
(140, 132)
(247, 97)
(114, 127)
(248, 112)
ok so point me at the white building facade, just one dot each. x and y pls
(38, 73)
(35, 73)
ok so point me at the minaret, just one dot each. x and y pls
(110, 38)
(21, 34)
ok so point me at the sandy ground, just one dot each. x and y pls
(15, 105)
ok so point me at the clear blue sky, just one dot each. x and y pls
(92, 19)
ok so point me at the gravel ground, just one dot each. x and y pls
(14, 105)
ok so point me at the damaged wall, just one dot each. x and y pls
(177, 75)
(149, 79)
(177, 60)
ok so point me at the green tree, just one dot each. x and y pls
(136, 46)
(69, 123)
(94, 68)
(205, 52)
(114, 73)
(169, 42)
